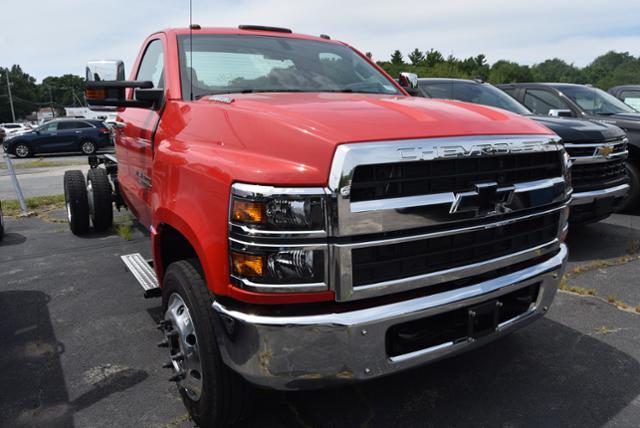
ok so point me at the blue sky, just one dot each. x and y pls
(57, 37)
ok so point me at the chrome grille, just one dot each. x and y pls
(597, 166)
(394, 213)
(395, 261)
(595, 176)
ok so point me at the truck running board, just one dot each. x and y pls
(144, 274)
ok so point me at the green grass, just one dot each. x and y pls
(124, 231)
(11, 208)
(39, 163)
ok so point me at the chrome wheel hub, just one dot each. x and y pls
(22, 150)
(87, 147)
(183, 347)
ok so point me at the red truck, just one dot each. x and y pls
(311, 223)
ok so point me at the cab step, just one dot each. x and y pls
(143, 272)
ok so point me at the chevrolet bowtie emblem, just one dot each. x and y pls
(604, 151)
(486, 199)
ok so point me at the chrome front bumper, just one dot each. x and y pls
(301, 352)
(583, 198)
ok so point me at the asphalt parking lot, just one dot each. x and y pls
(79, 348)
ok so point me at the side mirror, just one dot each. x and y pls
(105, 70)
(558, 112)
(106, 87)
(409, 82)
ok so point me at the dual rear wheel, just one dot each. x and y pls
(88, 202)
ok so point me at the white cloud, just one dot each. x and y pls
(59, 37)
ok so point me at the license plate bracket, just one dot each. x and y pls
(483, 319)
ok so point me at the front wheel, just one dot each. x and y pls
(22, 150)
(632, 200)
(211, 392)
(88, 147)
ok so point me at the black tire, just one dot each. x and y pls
(75, 197)
(88, 147)
(632, 202)
(226, 397)
(22, 150)
(100, 199)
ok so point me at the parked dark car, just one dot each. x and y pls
(586, 102)
(599, 181)
(61, 135)
(628, 94)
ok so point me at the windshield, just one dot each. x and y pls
(222, 64)
(595, 101)
(477, 93)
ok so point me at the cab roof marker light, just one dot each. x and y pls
(265, 28)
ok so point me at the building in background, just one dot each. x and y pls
(87, 113)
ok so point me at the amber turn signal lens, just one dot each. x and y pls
(248, 212)
(247, 265)
(96, 94)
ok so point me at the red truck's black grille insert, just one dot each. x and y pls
(394, 180)
(596, 176)
(457, 326)
(396, 261)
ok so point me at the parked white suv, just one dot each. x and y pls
(13, 129)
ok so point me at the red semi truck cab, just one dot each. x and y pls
(312, 224)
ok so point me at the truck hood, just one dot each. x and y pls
(580, 131)
(342, 118)
(290, 138)
(626, 116)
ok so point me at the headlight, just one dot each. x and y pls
(274, 236)
(276, 269)
(278, 209)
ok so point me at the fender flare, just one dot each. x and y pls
(163, 216)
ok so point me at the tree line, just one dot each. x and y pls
(28, 96)
(606, 71)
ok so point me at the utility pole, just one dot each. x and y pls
(53, 113)
(13, 113)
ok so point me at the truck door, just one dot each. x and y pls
(135, 148)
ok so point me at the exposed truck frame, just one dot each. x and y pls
(310, 237)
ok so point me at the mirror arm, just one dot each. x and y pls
(112, 93)
(119, 84)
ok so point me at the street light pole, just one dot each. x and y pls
(13, 113)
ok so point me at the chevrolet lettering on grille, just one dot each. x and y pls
(486, 199)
